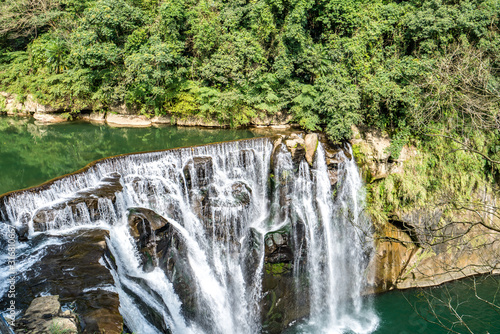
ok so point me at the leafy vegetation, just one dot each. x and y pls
(441, 176)
(404, 66)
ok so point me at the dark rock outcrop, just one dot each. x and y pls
(70, 268)
(161, 245)
(284, 286)
(198, 172)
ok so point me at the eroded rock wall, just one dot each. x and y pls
(428, 244)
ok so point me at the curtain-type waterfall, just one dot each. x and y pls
(190, 232)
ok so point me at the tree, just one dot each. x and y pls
(28, 18)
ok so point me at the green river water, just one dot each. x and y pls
(31, 154)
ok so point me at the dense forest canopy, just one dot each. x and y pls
(409, 67)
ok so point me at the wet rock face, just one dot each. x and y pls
(283, 302)
(211, 200)
(198, 172)
(144, 225)
(251, 253)
(84, 202)
(241, 193)
(161, 245)
(70, 268)
(278, 248)
(296, 145)
(22, 230)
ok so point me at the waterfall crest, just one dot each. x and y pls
(199, 236)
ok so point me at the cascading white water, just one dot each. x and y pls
(339, 247)
(214, 196)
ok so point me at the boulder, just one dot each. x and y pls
(119, 120)
(44, 316)
(311, 144)
(48, 118)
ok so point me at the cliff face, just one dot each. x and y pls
(424, 243)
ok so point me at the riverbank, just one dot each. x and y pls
(123, 116)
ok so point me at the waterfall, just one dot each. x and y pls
(339, 239)
(188, 230)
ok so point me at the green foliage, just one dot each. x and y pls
(440, 172)
(399, 140)
(403, 66)
(2, 104)
(56, 328)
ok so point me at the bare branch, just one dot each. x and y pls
(465, 147)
